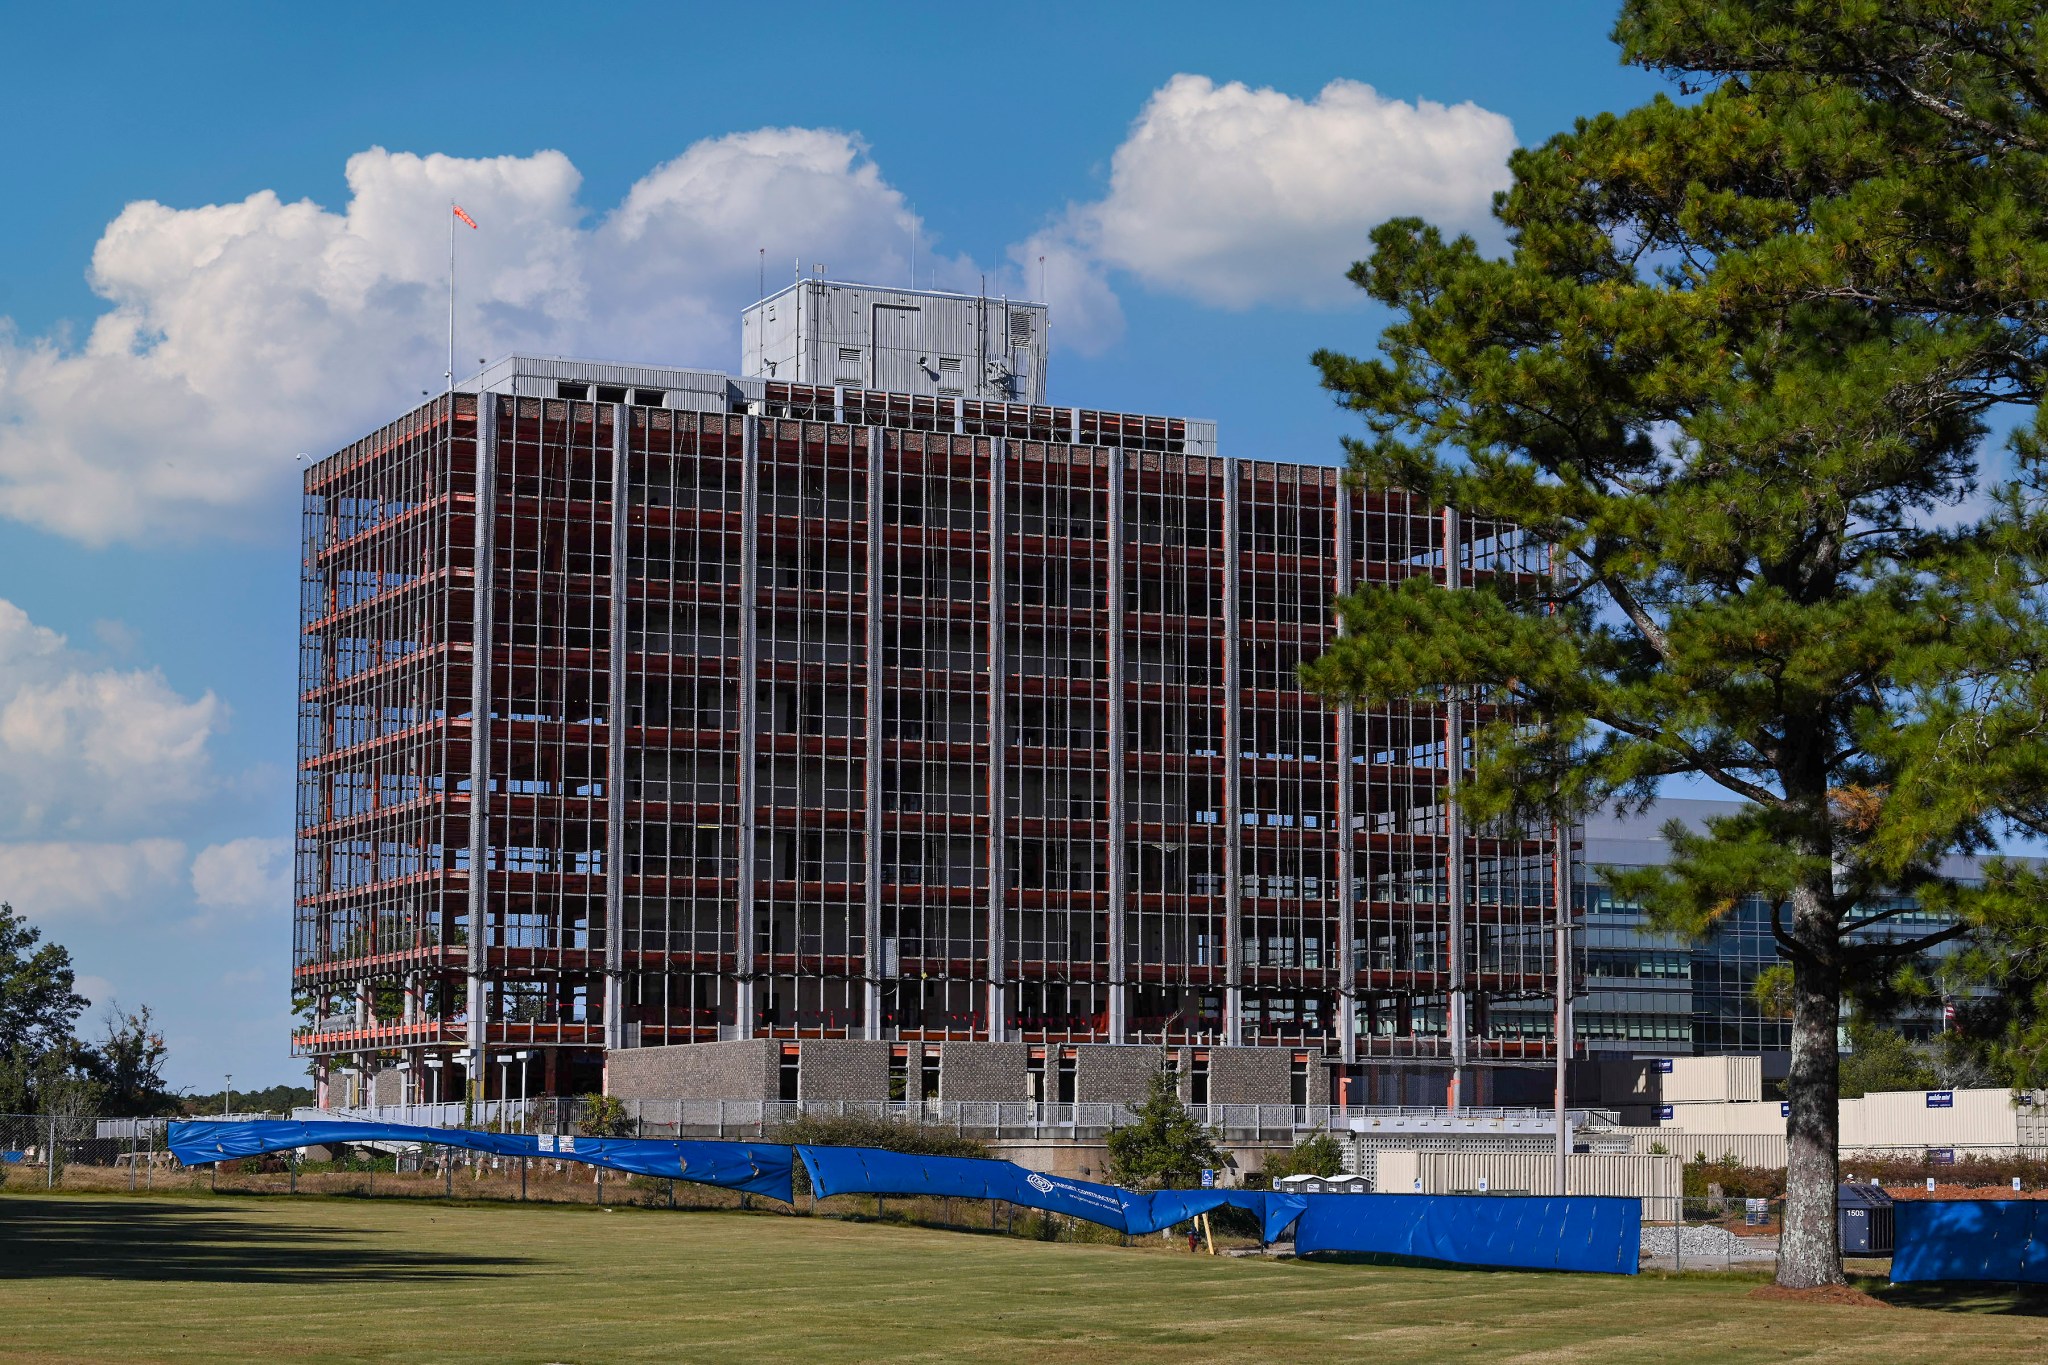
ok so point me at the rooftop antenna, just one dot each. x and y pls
(762, 287)
(1041, 279)
(913, 251)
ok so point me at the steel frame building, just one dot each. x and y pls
(647, 706)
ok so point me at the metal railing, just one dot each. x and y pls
(987, 1119)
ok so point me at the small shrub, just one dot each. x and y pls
(1316, 1154)
(604, 1116)
(1736, 1180)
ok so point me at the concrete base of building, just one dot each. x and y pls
(861, 1070)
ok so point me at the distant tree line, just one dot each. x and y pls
(45, 1067)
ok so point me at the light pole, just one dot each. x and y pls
(504, 1086)
(227, 1096)
(522, 1058)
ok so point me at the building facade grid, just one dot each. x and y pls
(829, 713)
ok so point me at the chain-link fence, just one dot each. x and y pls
(91, 1153)
(1719, 1233)
(987, 1119)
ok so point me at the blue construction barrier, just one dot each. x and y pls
(1600, 1236)
(865, 1170)
(1970, 1239)
(764, 1168)
(1503, 1231)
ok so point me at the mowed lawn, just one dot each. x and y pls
(233, 1278)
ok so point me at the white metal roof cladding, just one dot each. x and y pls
(898, 340)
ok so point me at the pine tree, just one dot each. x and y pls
(1734, 367)
(1165, 1148)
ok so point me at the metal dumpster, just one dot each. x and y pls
(1863, 1220)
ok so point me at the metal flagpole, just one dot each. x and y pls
(453, 210)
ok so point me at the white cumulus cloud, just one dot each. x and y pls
(86, 749)
(244, 874)
(238, 335)
(58, 876)
(1236, 197)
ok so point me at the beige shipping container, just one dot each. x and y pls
(1904, 1120)
(1759, 1116)
(1633, 1176)
(1719, 1080)
(1932, 1118)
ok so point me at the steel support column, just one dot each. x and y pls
(1561, 945)
(616, 720)
(1454, 837)
(750, 722)
(1347, 833)
(874, 960)
(998, 738)
(1119, 747)
(1232, 947)
(481, 634)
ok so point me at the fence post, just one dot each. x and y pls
(132, 1135)
(522, 1179)
(447, 1174)
(294, 1160)
(50, 1158)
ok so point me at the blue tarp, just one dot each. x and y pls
(764, 1168)
(1584, 1234)
(864, 1170)
(1970, 1239)
(1521, 1232)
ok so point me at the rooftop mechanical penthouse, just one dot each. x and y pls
(867, 697)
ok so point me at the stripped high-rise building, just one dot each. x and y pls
(865, 696)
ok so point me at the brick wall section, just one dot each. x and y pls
(1252, 1075)
(386, 1087)
(742, 1070)
(842, 1069)
(983, 1071)
(1107, 1072)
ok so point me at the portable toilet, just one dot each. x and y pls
(1863, 1217)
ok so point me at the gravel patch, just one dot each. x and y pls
(1706, 1244)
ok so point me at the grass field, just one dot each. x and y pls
(90, 1278)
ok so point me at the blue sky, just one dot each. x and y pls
(197, 283)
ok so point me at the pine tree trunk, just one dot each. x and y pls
(1808, 1254)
